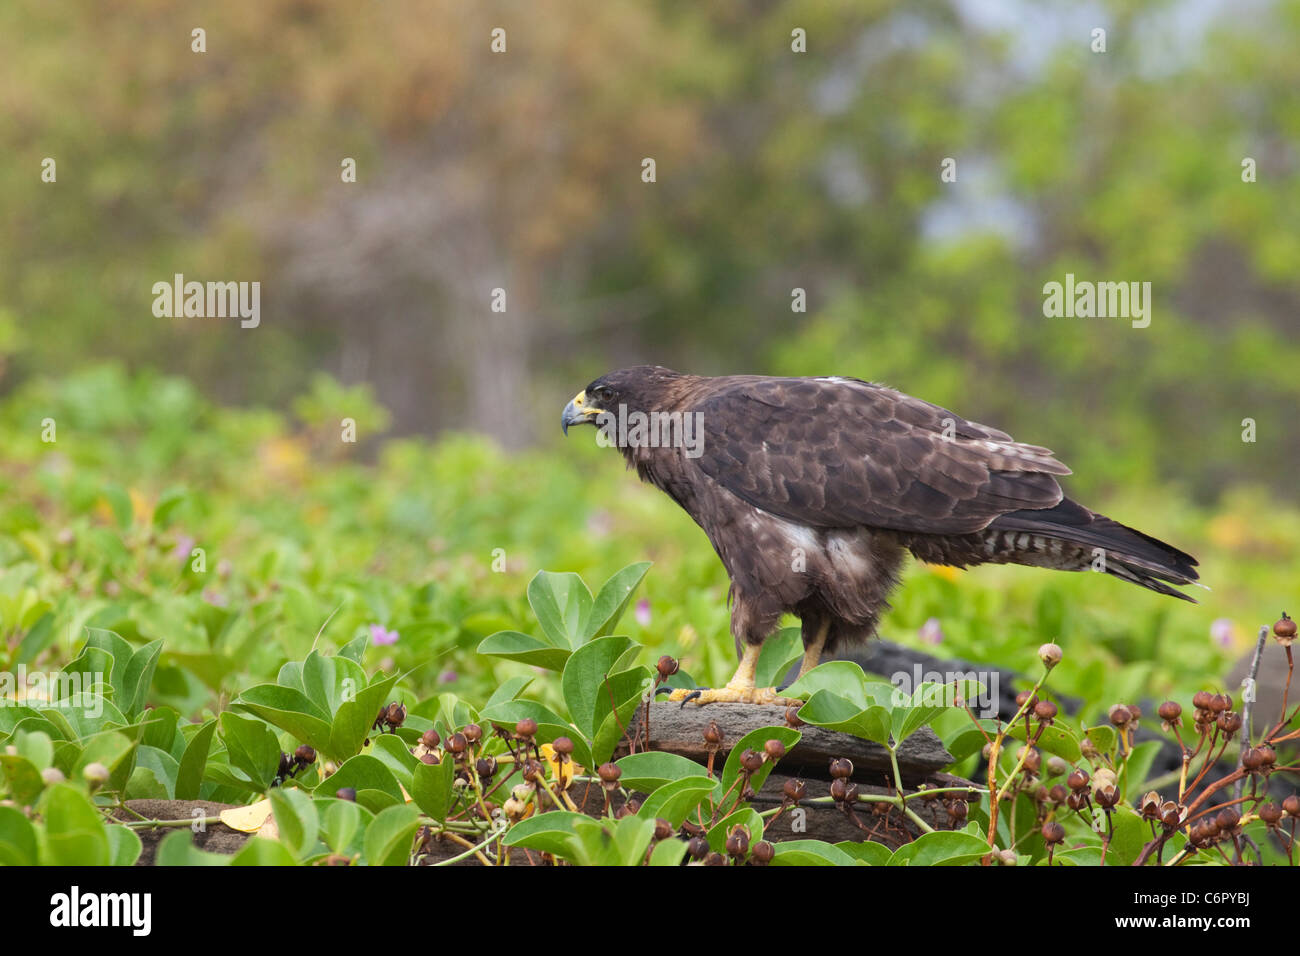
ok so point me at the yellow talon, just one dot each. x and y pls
(739, 690)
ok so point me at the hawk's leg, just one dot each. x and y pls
(739, 690)
(812, 651)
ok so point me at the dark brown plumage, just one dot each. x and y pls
(812, 490)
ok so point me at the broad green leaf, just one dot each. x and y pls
(754, 740)
(178, 849)
(390, 836)
(825, 709)
(295, 818)
(676, 801)
(74, 831)
(18, 846)
(612, 601)
(291, 711)
(375, 784)
(123, 845)
(562, 604)
(866, 852)
(813, 853)
(583, 683)
(189, 776)
(940, 848)
(431, 788)
(649, 770)
(252, 747)
(514, 646)
(544, 832)
(259, 851)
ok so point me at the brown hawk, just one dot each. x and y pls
(812, 490)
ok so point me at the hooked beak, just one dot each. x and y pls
(578, 412)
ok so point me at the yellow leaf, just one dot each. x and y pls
(249, 819)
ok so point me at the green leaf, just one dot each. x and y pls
(252, 747)
(514, 646)
(340, 822)
(825, 709)
(18, 845)
(393, 752)
(431, 788)
(296, 819)
(260, 851)
(189, 776)
(291, 711)
(612, 601)
(136, 679)
(927, 702)
(583, 683)
(549, 726)
(677, 800)
(562, 604)
(668, 853)
(375, 784)
(649, 770)
(74, 832)
(754, 740)
(354, 719)
(178, 849)
(813, 853)
(544, 832)
(871, 854)
(123, 845)
(390, 836)
(509, 690)
(22, 778)
(941, 848)
(162, 765)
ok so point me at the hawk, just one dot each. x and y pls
(813, 490)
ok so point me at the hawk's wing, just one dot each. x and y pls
(841, 452)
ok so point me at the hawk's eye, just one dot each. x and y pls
(603, 394)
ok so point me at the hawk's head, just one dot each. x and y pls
(643, 388)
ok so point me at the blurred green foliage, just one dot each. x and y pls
(776, 170)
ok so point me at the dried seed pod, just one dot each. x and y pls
(774, 749)
(562, 746)
(609, 773)
(1077, 780)
(1202, 700)
(762, 853)
(1045, 711)
(430, 739)
(1270, 813)
(666, 667)
(1050, 655)
(1057, 765)
(738, 842)
(713, 734)
(457, 743)
(473, 733)
(697, 848)
(1120, 715)
(526, 728)
(347, 793)
(1284, 630)
(841, 767)
(1170, 711)
(751, 760)
(663, 829)
(1057, 794)
(396, 715)
(485, 766)
(1292, 806)
(1053, 832)
(1033, 759)
(429, 758)
(839, 789)
(304, 755)
(794, 790)
(792, 717)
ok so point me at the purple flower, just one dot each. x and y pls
(448, 677)
(184, 547)
(380, 637)
(931, 632)
(1221, 632)
(642, 612)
